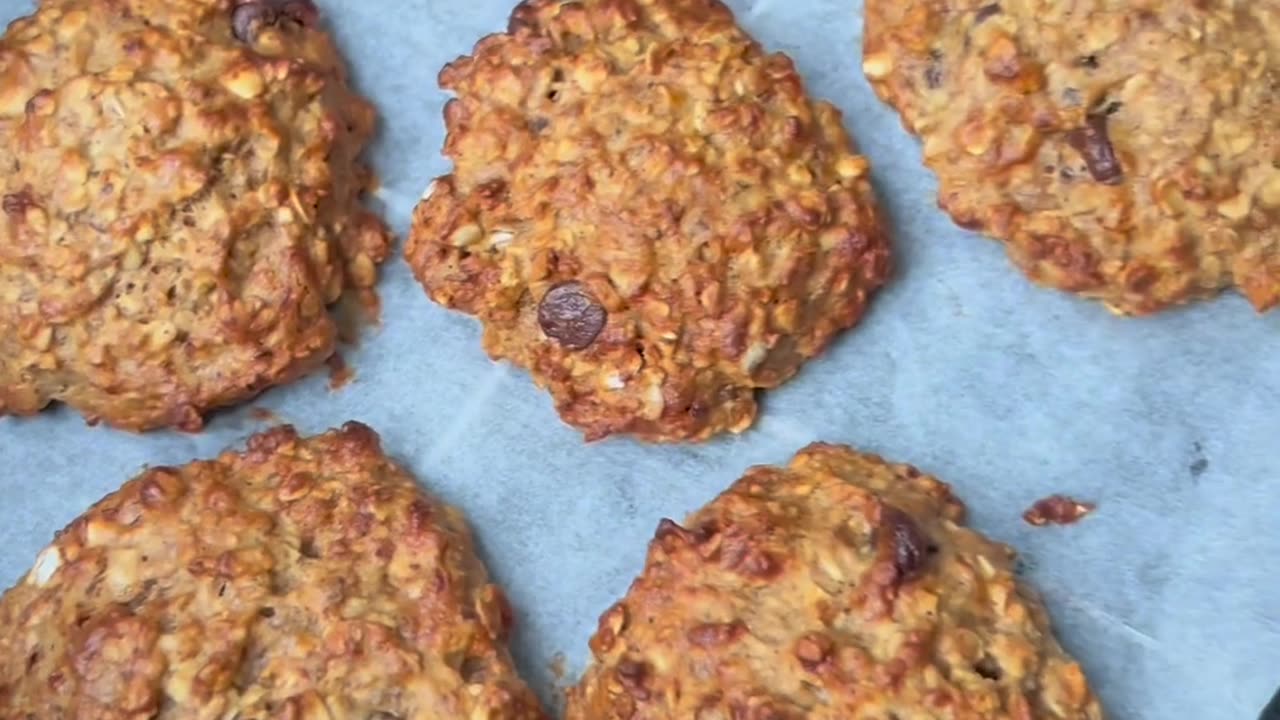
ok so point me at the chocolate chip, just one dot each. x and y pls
(985, 12)
(474, 670)
(571, 316)
(1093, 144)
(1088, 61)
(904, 543)
(989, 668)
(248, 19)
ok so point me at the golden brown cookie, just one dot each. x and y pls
(647, 212)
(302, 579)
(840, 587)
(180, 203)
(1126, 151)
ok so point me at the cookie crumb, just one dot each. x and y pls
(340, 374)
(263, 415)
(1057, 510)
(557, 667)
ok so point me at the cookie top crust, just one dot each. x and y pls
(647, 212)
(840, 586)
(300, 578)
(1125, 151)
(179, 206)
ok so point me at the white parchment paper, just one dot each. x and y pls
(1169, 594)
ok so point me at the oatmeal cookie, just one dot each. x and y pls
(840, 586)
(179, 205)
(647, 212)
(301, 579)
(1126, 151)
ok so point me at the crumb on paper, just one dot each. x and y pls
(339, 373)
(559, 684)
(263, 415)
(354, 313)
(557, 666)
(1057, 510)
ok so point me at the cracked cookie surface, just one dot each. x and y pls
(1125, 151)
(839, 586)
(648, 213)
(305, 579)
(181, 204)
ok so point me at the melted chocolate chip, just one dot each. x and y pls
(933, 73)
(1094, 145)
(571, 316)
(933, 77)
(17, 203)
(986, 12)
(989, 668)
(248, 19)
(906, 544)
(633, 676)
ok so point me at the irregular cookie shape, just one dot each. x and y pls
(301, 579)
(180, 204)
(1126, 151)
(648, 213)
(838, 587)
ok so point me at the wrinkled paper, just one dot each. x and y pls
(1169, 593)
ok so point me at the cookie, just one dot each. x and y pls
(1125, 151)
(648, 213)
(179, 206)
(302, 578)
(839, 586)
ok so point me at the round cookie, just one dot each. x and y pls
(1126, 151)
(301, 579)
(180, 204)
(647, 212)
(839, 587)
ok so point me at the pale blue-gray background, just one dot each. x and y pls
(1169, 594)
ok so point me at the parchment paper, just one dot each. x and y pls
(1169, 594)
